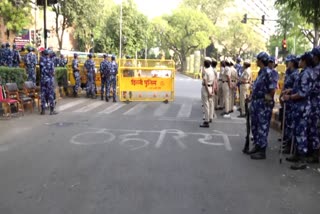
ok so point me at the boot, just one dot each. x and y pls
(204, 125)
(254, 150)
(294, 158)
(43, 111)
(260, 155)
(52, 111)
(301, 164)
(314, 158)
(114, 100)
(107, 99)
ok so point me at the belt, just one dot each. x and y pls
(244, 83)
(224, 81)
(219, 80)
(207, 85)
(233, 81)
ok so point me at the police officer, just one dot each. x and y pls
(8, 55)
(234, 82)
(112, 80)
(76, 74)
(15, 56)
(226, 85)
(272, 66)
(47, 83)
(207, 92)
(30, 61)
(245, 80)
(62, 62)
(291, 75)
(239, 69)
(90, 68)
(263, 91)
(300, 95)
(313, 123)
(104, 72)
(220, 84)
(2, 59)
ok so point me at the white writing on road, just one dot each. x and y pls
(133, 140)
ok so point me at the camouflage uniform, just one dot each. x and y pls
(104, 72)
(76, 75)
(8, 56)
(16, 57)
(2, 61)
(90, 67)
(31, 62)
(112, 80)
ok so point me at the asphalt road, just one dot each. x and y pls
(143, 158)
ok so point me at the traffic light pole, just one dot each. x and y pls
(45, 23)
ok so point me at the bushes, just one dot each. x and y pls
(61, 75)
(17, 75)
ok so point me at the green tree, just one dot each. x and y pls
(212, 8)
(237, 38)
(310, 10)
(15, 15)
(185, 31)
(65, 17)
(135, 31)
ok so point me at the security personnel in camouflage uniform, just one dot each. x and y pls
(313, 123)
(104, 72)
(262, 102)
(301, 98)
(62, 62)
(90, 68)
(291, 75)
(16, 56)
(112, 80)
(245, 80)
(47, 83)
(2, 59)
(76, 74)
(30, 61)
(8, 55)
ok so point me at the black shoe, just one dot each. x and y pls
(299, 166)
(107, 99)
(293, 158)
(204, 125)
(254, 150)
(260, 155)
(210, 121)
(314, 158)
(43, 112)
(231, 111)
(241, 116)
(52, 111)
(245, 150)
(223, 113)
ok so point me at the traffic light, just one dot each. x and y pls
(49, 2)
(284, 44)
(263, 18)
(245, 18)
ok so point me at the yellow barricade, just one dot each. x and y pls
(146, 80)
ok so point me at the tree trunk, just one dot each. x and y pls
(316, 34)
(183, 61)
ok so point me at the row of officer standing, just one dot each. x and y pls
(108, 72)
(9, 57)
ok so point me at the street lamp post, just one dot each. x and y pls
(120, 48)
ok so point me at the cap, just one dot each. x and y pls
(90, 55)
(29, 48)
(208, 59)
(75, 55)
(290, 58)
(306, 56)
(316, 51)
(239, 59)
(263, 56)
(105, 55)
(46, 52)
(113, 57)
(7, 44)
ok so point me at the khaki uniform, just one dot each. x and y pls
(225, 89)
(220, 92)
(245, 80)
(208, 74)
(233, 89)
(215, 96)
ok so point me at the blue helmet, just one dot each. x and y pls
(75, 55)
(272, 59)
(29, 48)
(46, 52)
(90, 55)
(308, 58)
(113, 57)
(316, 51)
(290, 58)
(7, 45)
(263, 56)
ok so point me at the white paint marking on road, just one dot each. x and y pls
(198, 121)
(90, 107)
(185, 110)
(112, 108)
(70, 105)
(136, 109)
(180, 134)
(161, 110)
